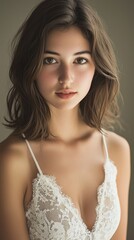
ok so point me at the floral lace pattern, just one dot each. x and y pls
(51, 215)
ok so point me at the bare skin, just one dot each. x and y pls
(74, 168)
(75, 156)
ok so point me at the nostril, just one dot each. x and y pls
(60, 81)
(65, 74)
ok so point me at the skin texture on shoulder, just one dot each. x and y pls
(119, 153)
(13, 183)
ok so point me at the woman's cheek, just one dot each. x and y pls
(47, 79)
(84, 76)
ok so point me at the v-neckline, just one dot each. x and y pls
(69, 201)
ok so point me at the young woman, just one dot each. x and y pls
(63, 173)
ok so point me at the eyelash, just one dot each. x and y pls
(50, 58)
(81, 58)
(50, 63)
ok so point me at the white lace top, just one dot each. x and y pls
(51, 215)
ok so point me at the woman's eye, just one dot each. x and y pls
(81, 61)
(49, 60)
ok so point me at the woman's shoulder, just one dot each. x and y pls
(14, 158)
(117, 142)
(119, 149)
(12, 147)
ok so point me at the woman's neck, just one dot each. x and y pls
(67, 125)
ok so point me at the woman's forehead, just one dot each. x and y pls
(67, 39)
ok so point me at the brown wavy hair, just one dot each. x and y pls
(28, 110)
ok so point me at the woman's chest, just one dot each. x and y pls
(71, 162)
(50, 204)
(78, 172)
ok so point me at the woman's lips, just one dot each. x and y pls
(65, 95)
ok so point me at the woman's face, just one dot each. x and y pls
(68, 69)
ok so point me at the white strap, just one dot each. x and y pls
(105, 146)
(33, 156)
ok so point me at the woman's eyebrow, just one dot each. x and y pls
(82, 52)
(77, 53)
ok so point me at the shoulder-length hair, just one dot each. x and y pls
(28, 110)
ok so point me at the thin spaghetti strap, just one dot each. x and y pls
(33, 156)
(105, 146)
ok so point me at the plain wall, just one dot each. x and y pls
(118, 19)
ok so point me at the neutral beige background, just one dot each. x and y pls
(118, 18)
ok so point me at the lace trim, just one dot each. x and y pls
(69, 203)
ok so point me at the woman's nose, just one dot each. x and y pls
(66, 75)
